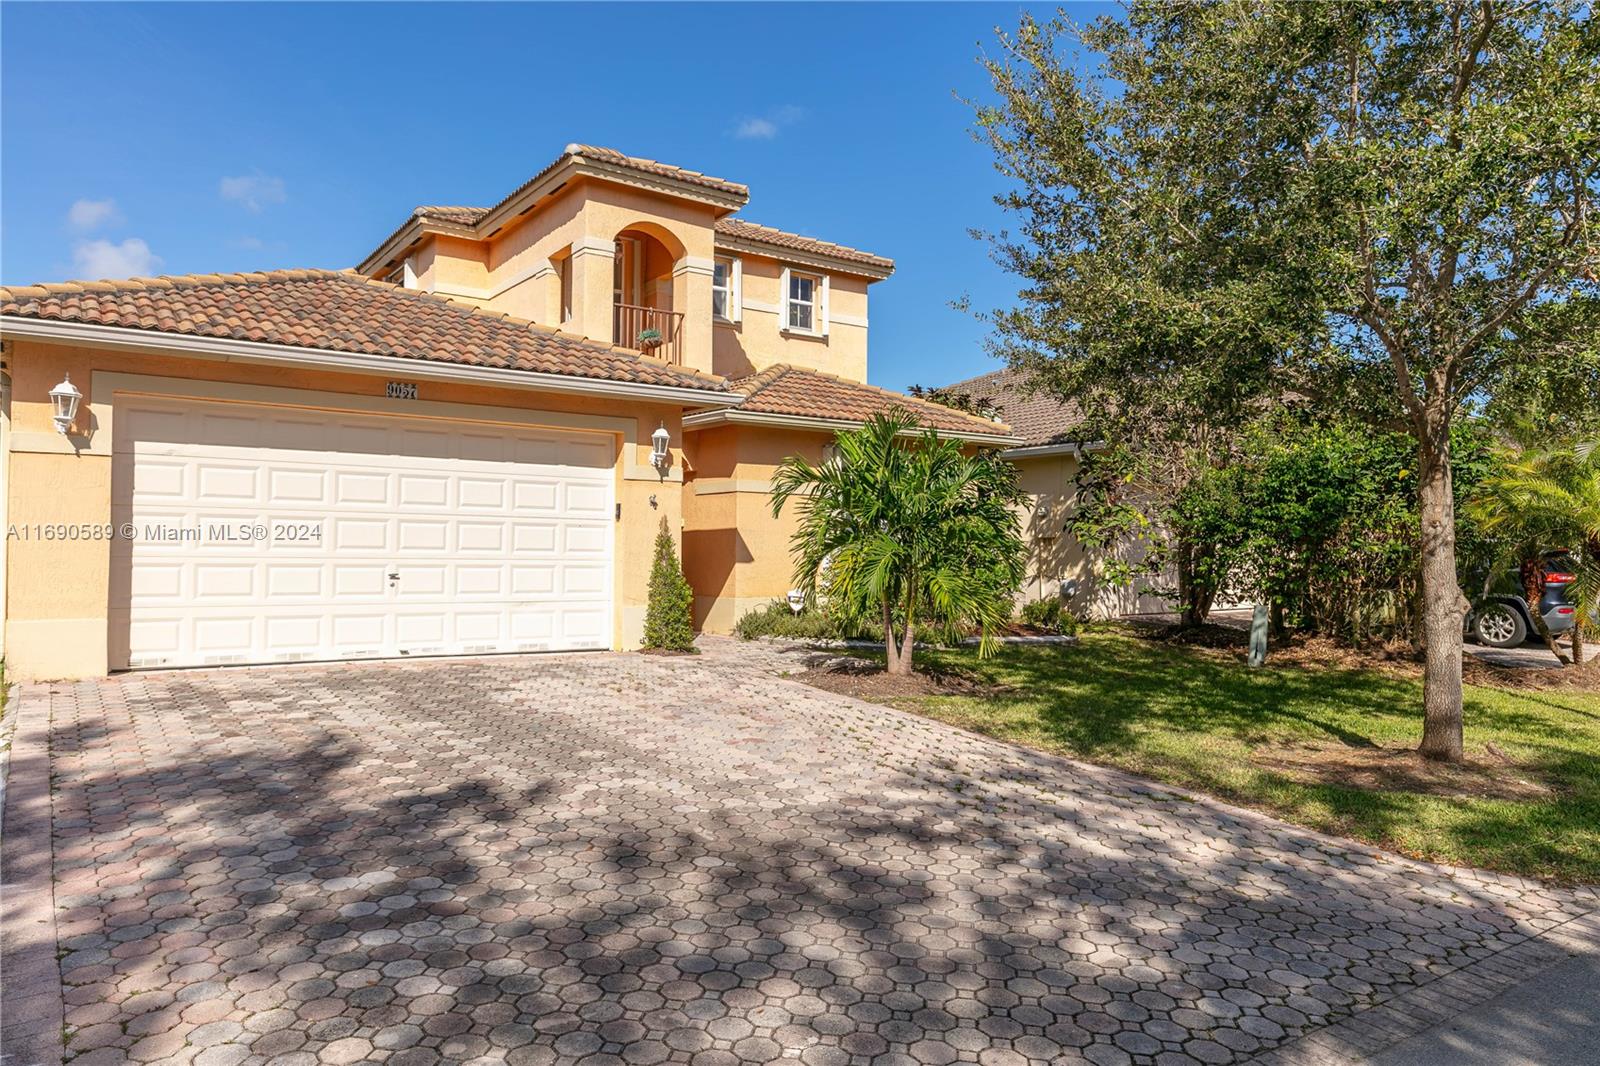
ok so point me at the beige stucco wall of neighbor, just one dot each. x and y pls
(1055, 556)
(736, 554)
(56, 609)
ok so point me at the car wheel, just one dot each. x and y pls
(1499, 626)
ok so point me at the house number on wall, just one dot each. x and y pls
(401, 390)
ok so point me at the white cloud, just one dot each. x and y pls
(766, 127)
(102, 259)
(85, 215)
(249, 244)
(756, 128)
(253, 191)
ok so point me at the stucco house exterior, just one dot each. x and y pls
(1047, 457)
(464, 445)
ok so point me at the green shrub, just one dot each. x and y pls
(669, 614)
(776, 619)
(1049, 614)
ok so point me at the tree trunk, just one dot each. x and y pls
(1532, 574)
(1443, 605)
(891, 647)
(1188, 615)
(1280, 629)
(907, 648)
(1577, 642)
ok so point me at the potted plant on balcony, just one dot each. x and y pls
(649, 340)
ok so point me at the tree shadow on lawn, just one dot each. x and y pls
(1214, 726)
(292, 874)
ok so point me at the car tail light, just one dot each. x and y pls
(1560, 579)
(1564, 610)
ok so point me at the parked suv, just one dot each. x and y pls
(1501, 619)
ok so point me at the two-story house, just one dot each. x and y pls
(466, 445)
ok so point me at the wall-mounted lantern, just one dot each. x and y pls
(660, 457)
(65, 398)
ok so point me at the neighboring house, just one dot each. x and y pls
(450, 450)
(1047, 461)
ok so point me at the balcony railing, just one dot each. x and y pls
(630, 320)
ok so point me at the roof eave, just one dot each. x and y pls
(228, 349)
(549, 181)
(784, 254)
(735, 416)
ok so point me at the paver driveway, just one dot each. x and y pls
(613, 858)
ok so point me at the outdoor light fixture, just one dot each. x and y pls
(659, 456)
(64, 398)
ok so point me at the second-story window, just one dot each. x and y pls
(804, 298)
(725, 284)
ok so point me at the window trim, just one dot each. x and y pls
(819, 304)
(735, 290)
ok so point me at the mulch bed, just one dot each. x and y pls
(865, 679)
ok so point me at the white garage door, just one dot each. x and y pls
(273, 534)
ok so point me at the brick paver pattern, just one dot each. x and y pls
(621, 858)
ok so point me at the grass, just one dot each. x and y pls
(1281, 739)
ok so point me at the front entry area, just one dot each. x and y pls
(256, 534)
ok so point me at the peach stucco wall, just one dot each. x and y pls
(758, 340)
(56, 606)
(736, 553)
(517, 271)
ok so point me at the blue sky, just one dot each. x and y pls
(195, 138)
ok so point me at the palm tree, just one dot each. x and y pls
(899, 525)
(1549, 498)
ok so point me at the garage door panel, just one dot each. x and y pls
(417, 490)
(501, 538)
(362, 489)
(359, 580)
(288, 582)
(225, 581)
(586, 499)
(355, 535)
(296, 486)
(536, 498)
(586, 539)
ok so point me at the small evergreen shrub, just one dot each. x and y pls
(1049, 614)
(669, 613)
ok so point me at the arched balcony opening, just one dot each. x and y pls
(643, 317)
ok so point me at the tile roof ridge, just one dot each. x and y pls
(579, 149)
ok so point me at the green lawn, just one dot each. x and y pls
(1281, 739)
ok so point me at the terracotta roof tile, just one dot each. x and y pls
(465, 216)
(340, 311)
(792, 390)
(1035, 416)
(794, 242)
(651, 166)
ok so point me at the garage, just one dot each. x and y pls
(258, 534)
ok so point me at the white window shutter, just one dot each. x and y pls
(822, 307)
(736, 291)
(783, 300)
